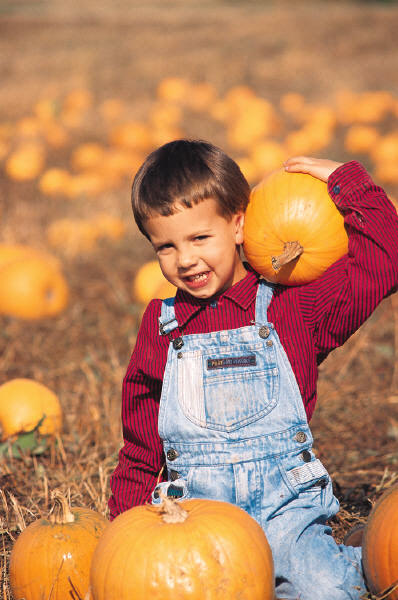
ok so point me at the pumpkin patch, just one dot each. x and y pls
(88, 90)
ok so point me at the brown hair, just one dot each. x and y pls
(187, 172)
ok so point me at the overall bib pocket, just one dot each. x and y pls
(230, 388)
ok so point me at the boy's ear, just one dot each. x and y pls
(239, 221)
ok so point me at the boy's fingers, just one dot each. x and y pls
(300, 160)
(317, 167)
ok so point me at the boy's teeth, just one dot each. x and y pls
(199, 276)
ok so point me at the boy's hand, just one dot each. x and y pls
(320, 168)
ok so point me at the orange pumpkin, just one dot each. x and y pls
(380, 545)
(12, 252)
(78, 100)
(54, 182)
(24, 403)
(51, 557)
(165, 290)
(26, 162)
(173, 89)
(150, 282)
(133, 135)
(32, 288)
(189, 550)
(361, 138)
(293, 230)
(267, 156)
(87, 156)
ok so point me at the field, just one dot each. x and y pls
(85, 88)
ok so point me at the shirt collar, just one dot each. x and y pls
(243, 293)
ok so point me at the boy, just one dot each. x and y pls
(222, 381)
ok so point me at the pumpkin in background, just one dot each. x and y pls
(189, 550)
(133, 135)
(109, 226)
(87, 156)
(24, 403)
(361, 138)
(293, 230)
(51, 557)
(267, 156)
(380, 545)
(150, 283)
(12, 252)
(54, 182)
(32, 288)
(173, 89)
(26, 162)
(78, 100)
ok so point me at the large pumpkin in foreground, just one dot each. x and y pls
(380, 545)
(293, 230)
(51, 557)
(185, 550)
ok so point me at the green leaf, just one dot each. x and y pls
(26, 442)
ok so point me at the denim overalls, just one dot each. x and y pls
(234, 428)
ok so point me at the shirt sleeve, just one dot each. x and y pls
(348, 292)
(141, 457)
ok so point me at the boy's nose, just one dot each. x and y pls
(186, 259)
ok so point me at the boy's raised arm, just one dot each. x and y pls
(349, 291)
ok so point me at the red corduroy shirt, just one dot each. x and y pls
(311, 320)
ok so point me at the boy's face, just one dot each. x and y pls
(197, 248)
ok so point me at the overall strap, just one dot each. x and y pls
(264, 296)
(167, 319)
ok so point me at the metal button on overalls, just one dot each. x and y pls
(263, 332)
(178, 343)
(172, 454)
(301, 437)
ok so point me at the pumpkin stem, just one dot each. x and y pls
(171, 510)
(60, 512)
(291, 250)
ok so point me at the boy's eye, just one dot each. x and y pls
(162, 248)
(201, 237)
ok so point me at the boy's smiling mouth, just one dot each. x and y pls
(197, 280)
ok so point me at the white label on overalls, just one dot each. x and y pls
(307, 472)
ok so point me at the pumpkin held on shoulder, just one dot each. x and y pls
(293, 230)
